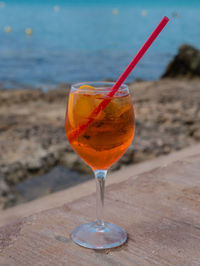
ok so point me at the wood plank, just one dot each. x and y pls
(160, 210)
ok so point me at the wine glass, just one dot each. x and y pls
(100, 129)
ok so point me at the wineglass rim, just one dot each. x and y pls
(100, 86)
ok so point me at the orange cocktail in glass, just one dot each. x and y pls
(100, 144)
(108, 137)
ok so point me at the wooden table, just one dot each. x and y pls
(159, 209)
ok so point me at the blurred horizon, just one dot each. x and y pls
(50, 42)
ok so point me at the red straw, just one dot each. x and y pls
(75, 133)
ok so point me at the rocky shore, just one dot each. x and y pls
(32, 136)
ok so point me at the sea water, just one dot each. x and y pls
(80, 40)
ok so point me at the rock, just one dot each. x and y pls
(33, 141)
(69, 159)
(139, 156)
(73, 162)
(196, 135)
(7, 198)
(185, 64)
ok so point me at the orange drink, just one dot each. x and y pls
(105, 140)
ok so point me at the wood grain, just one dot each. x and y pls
(160, 210)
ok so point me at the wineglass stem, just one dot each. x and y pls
(100, 176)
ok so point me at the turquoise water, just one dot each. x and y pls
(87, 40)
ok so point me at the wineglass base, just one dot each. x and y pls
(92, 236)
